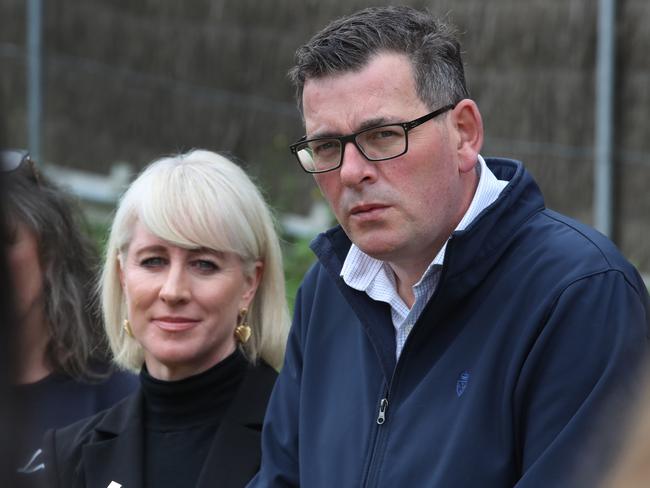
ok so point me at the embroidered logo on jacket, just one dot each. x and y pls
(461, 383)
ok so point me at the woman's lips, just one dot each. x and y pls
(175, 324)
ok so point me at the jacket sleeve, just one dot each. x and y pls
(581, 374)
(280, 440)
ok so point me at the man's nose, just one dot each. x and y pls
(355, 167)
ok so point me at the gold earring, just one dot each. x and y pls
(127, 328)
(243, 331)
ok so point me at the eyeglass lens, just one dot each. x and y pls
(376, 144)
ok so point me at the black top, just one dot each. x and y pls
(181, 419)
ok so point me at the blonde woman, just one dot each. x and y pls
(193, 299)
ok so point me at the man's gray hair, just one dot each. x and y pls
(347, 44)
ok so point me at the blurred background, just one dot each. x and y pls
(120, 83)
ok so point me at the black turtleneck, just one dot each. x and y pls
(181, 419)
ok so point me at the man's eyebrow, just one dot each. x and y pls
(368, 124)
(321, 135)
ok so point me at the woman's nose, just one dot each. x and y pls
(176, 286)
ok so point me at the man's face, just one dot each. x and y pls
(400, 210)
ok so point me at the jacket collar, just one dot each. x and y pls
(118, 455)
(480, 245)
(235, 457)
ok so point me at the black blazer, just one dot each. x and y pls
(108, 447)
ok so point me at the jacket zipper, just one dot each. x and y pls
(383, 403)
(381, 419)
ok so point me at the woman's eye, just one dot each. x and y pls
(205, 265)
(152, 262)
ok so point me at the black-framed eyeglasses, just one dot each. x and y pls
(15, 159)
(380, 143)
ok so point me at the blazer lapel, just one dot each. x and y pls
(235, 454)
(118, 455)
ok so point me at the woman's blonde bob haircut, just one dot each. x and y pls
(199, 200)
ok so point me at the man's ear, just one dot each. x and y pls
(468, 126)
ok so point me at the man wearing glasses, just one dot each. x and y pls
(455, 332)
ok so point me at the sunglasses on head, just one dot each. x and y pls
(15, 159)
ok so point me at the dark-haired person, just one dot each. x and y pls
(193, 299)
(455, 332)
(63, 370)
(9, 421)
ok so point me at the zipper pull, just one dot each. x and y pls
(383, 405)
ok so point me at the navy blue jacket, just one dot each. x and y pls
(536, 331)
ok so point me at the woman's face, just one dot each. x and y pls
(26, 271)
(183, 304)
